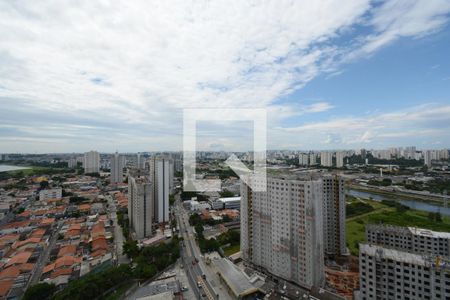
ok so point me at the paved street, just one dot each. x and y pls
(194, 261)
(43, 258)
(118, 234)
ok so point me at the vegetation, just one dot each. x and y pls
(33, 171)
(384, 182)
(437, 186)
(357, 208)
(152, 259)
(77, 199)
(92, 286)
(397, 205)
(226, 193)
(231, 237)
(230, 250)
(171, 199)
(123, 222)
(40, 291)
(95, 174)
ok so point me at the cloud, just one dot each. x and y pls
(133, 66)
(394, 128)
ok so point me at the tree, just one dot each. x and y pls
(40, 291)
(130, 248)
(226, 193)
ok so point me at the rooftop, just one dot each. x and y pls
(235, 279)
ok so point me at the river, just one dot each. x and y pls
(5, 168)
(414, 204)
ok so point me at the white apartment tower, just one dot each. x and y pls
(282, 231)
(303, 159)
(326, 159)
(334, 215)
(160, 176)
(140, 161)
(91, 162)
(140, 204)
(116, 168)
(427, 158)
(340, 155)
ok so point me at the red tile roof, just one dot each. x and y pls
(62, 271)
(19, 258)
(67, 250)
(10, 273)
(99, 243)
(67, 261)
(5, 286)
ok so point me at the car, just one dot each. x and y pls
(203, 276)
(199, 284)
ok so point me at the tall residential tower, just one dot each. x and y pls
(116, 168)
(140, 203)
(91, 162)
(282, 229)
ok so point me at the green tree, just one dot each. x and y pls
(40, 291)
(130, 248)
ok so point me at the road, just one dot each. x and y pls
(189, 259)
(43, 258)
(194, 261)
(118, 234)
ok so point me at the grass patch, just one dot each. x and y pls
(232, 249)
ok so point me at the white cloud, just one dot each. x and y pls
(394, 128)
(138, 63)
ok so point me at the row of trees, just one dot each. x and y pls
(152, 259)
(91, 286)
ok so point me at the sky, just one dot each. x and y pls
(117, 75)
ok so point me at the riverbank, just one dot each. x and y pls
(395, 195)
(384, 214)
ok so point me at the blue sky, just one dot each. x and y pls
(116, 75)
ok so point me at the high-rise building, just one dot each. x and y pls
(312, 159)
(282, 230)
(326, 159)
(72, 163)
(91, 162)
(140, 203)
(393, 274)
(334, 215)
(140, 161)
(160, 176)
(116, 168)
(340, 155)
(303, 159)
(409, 239)
(427, 158)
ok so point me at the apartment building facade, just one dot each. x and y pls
(140, 203)
(282, 229)
(409, 239)
(334, 215)
(91, 162)
(398, 275)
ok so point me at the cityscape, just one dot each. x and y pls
(206, 150)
